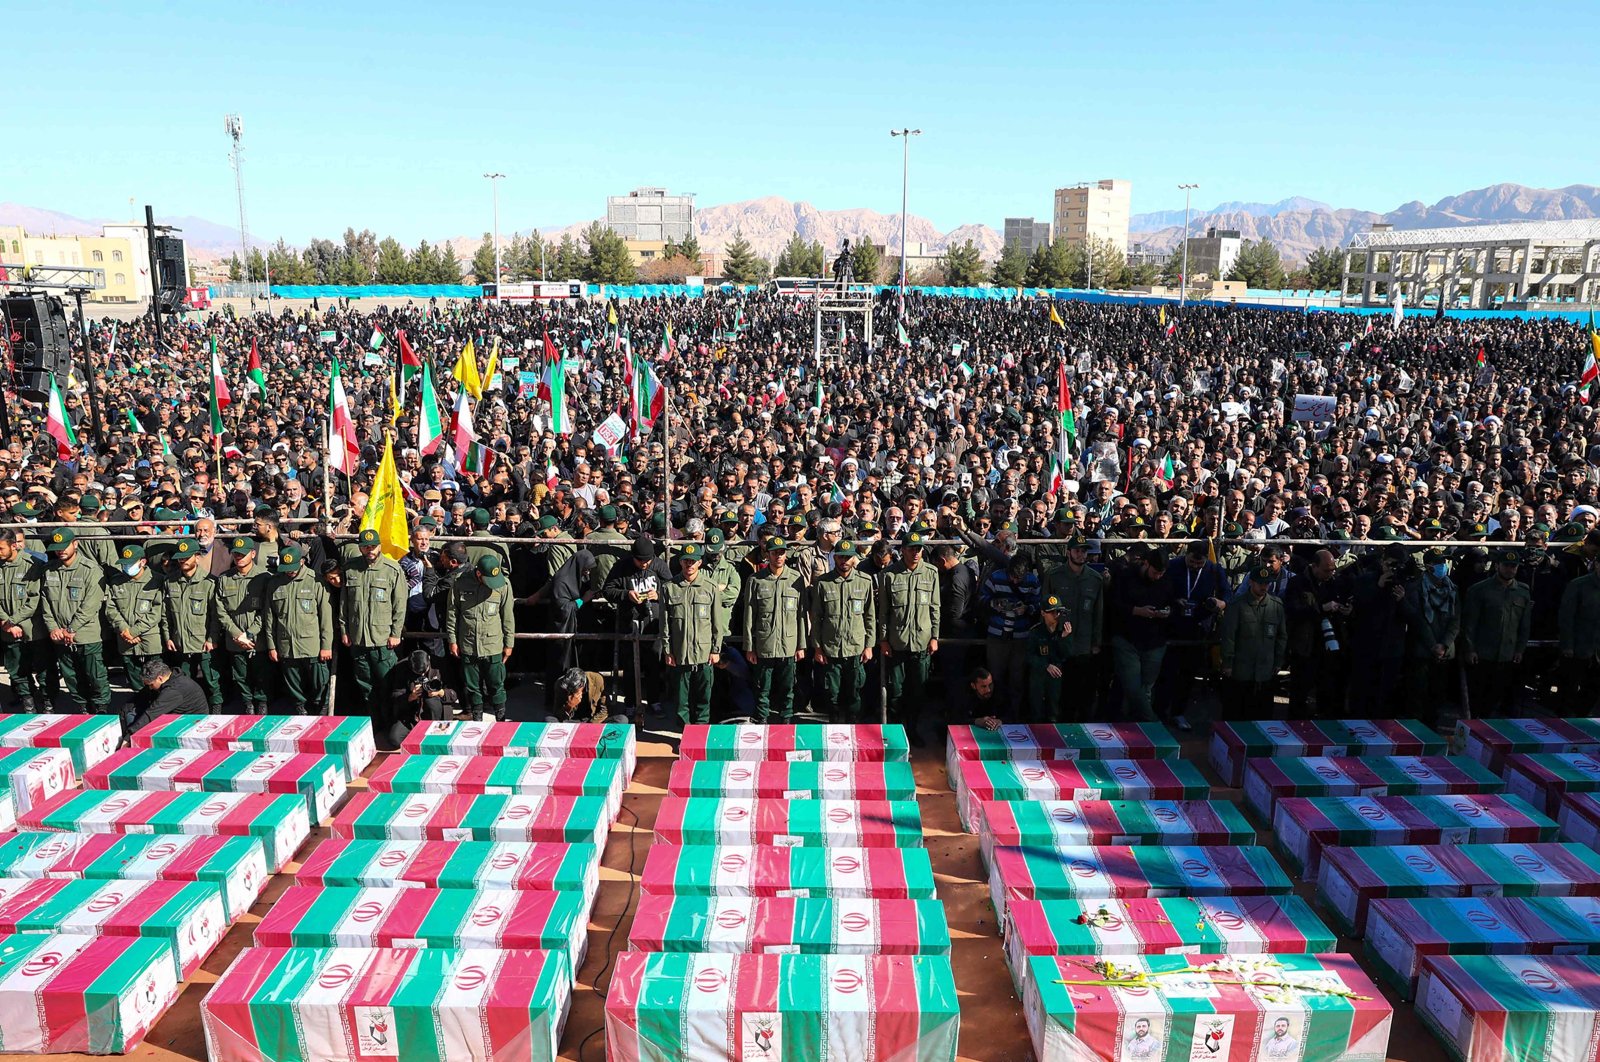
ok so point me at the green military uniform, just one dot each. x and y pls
(240, 600)
(775, 631)
(372, 610)
(695, 626)
(1045, 649)
(1496, 622)
(1083, 602)
(908, 622)
(844, 624)
(25, 658)
(94, 542)
(490, 548)
(1579, 624)
(1254, 646)
(136, 607)
(192, 620)
(297, 625)
(607, 544)
(479, 627)
(72, 601)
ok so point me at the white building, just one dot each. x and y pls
(1483, 265)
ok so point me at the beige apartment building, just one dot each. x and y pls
(126, 277)
(1094, 208)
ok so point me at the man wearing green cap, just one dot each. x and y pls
(1579, 625)
(1496, 620)
(136, 607)
(908, 630)
(774, 632)
(72, 602)
(724, 575)
(606, 543)
(1082, 593)
(489, 547)
(241, 595)
(297, 631)
(372, 617)
(480, 629)
(94, 541)
(1255, 646)
(24, 639)
(696, 625)
(192, 618)
(1048, 654)
(844, 623)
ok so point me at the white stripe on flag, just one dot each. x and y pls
(732, 924)
(848, 1015)
(319, 1011)
(708, 1008)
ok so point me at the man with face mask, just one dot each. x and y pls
(297, 632)
(72, 602)
(24, 640)
(240, 596)
(1434, 608)
(135, 604)
(192, 618)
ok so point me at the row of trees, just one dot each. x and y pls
(361, 258)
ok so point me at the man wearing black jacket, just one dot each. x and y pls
(635, 589)
(1141, 604)
(958, 594)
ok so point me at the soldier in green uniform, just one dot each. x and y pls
(372, 616)
(297, 631)
(908, 629)
(843, 610)
(136, 607)
(1496, 618)
(775, 632)
(696, 625)
(490, 548)
(71, 606)
(24, 639)
(1254, 647)
(192, 618)
(1048, 652)
(1082, 592)
(1579, 624)
(724, 574)
(94, 540)
(607, 544)
(480, 629)
(241, 595)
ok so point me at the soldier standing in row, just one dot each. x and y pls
(192, 618)
(1048, 650)
(241, 593)
(844, 623)
(24, 641)
(297, 631)
(481, 631)
(908, 630)
(136, 606)
(775, 632)
(372, 617)
(71, 606)
(696, 626)
(1496, 617)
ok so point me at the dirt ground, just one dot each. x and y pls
(992, 1027)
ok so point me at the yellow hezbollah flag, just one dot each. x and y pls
(494, 364)
(1055, 318)
(466, 371)
(1162, 313)
(611, 314)
(386, 509)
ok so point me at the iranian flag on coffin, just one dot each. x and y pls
(982, 780)
(797, 743)
(278, 820)
(427, 918)
(1579, 819)
(187, 916)
(411, 1004)
(30, 776)
(458, 817)
(318, 779)
(1266, 781)
(345, 736)
(753, 820)
(545, 775)
(1064, 741)
(1328, 1011)
(840, 873)
(1401, 934)
(1096, 872)
(517, 865)
(1236, 925)
(769, 925)
(237, 865)
(1513, 1006)
(1305, 826)
(1233, 743)
(892, 780)
(1058, 823)
(89, 738)
(1349, 879)
(1543, 778)
(1490, 741)
(64, 992)
(578, 741)
(781, 1008)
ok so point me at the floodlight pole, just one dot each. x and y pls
(1183, 294)
(905, 186)
(494, 183)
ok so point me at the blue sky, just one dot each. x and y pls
(385, 115)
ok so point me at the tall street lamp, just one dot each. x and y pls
(1183, 292)
(494, 183)
(905, 184)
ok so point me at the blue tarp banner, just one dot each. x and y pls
(376, 291)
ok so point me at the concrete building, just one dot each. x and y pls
(650, 215)
(1214, 253)
(1094, 208)
(1027, 233)
(113, 252)
(1477, 266)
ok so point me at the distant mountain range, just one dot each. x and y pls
(1297, 225)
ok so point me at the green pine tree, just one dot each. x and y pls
(740, 263)
(1258, 265)
(962, 266)
(1326, 268)
(866, 262)
(1011, 268)
(690, 249)
(449, 270)
(608, 260)
(393, 267)
(568, 262)
(483, 260)
(793, 259)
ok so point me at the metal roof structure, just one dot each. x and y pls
(1509, 232)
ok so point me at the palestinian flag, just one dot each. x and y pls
(318, 779)
(551, 775)
(1306, 826)
(900, 332)
(1233, 743)
(400, 1003)
(515, 865)
(795, 743)
(58, 425)
(30, 776)
(1490, 741)
(981, 780)
(1542, 778)
(841, 873)
(775, 821)
(462, 817)
(582, 741)
(279, 820)
(555, 375)
(89, 738)
(777, 925)
(344, 453)
(430, 429)
(1266, 781)
(348, 737)
(186, 916)
(410, 364)
(471, 456)
(237, 865)
(220, 398)
(256, 377)
(821, 1008)
(1061, 823)
(1067, 420)
(376, 340)
(793, 780)
(133, 423)
(66, 992)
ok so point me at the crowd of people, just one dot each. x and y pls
(884, 529)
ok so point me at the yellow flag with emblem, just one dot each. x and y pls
(386, 509)
(466, 371)
(1055, 318)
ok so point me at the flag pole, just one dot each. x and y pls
(666, 475)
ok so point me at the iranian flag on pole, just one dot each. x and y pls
(343, 451)
(1068, 440)
(59, 426)
(220, 398)
(470, 454)
(646, 398)
(430, 429)
(257, 378)
(1591, 364)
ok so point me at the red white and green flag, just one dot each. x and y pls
(795, 742)
(318, 779)
(59, 425)
(1067, 420)
(67, 992)
(1482, 359)
(257, 378)
(980, 780)
(346, 736)
(473, 817)
(1404, 932)
(558, 776)
(1098, 872)
(773, 870)
(1591, 364)
(1061, 741)
(520, 866)
(1232, 744)
(89, 738)
(754, 820)
(410, 364)
(430, 428)
(555, 371)
(582, 741)
(220, 398)
(344, 453)
(30, 776)
(793, 780)
(1058, 823)
(774, 925)
(470, 454)
(1270, 780)
(647, 400)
